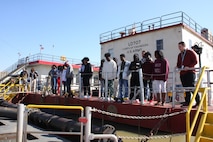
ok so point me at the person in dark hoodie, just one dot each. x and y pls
(100, 78)
(134, 81)
(160, 76)
(86, 74)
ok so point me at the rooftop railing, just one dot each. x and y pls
(156, 23)
(43, 57)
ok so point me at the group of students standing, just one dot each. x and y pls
(155, 75)
(62, 77)
(29, 81)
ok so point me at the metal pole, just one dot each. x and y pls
(81, 136)
(106, 86)
(182, 17)
(20, 123)
(141, 86)
(30, 84)
(173, 88)
(80, 86)
(88, 124)
(25, 126)
(209, 85)
(200, 61)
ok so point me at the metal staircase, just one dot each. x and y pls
(14, 71)
(206, 135)
(204, 132)
(9, 90)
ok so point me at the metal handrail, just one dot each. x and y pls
(203, 103)
(40, 56)
(170, 19)
(55, 107)
(21, 119)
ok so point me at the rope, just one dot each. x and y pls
(138, 117)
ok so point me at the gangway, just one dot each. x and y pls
(8, 76)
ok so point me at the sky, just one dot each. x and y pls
(72, 28)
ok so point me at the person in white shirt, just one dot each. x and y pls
(33, 79)
(109, 72)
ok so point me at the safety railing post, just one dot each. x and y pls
(80, 85)
(82, 127)
(182, 18)
(173, 87)
(106, 86)
(209, 85)
(30, 84)
(25, 125)
(88, 114)
(20, 123)
(141, 86)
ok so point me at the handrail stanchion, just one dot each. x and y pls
(90, 136)
(106, 86)
(88, 124)
(30, 84)
(209, 85)
(141, 86)
(82, 127)
(173, 88)
(80, 86)
(25, 125)
(20, 123)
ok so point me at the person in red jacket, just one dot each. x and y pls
(187, 59)
(160, 76)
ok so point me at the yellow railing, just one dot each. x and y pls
(5, 88)
(63, 107)
(203, 104)
(55, 107)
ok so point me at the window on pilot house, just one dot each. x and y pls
(159, 44)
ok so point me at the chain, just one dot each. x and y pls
(138, 117)
(149, 137)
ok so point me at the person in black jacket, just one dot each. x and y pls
(100, 77)
(134, 81)
(86, 73)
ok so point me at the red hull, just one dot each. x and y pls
(175, 124)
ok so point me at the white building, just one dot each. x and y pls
(163, 33)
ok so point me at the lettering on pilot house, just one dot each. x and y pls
(134, 46)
